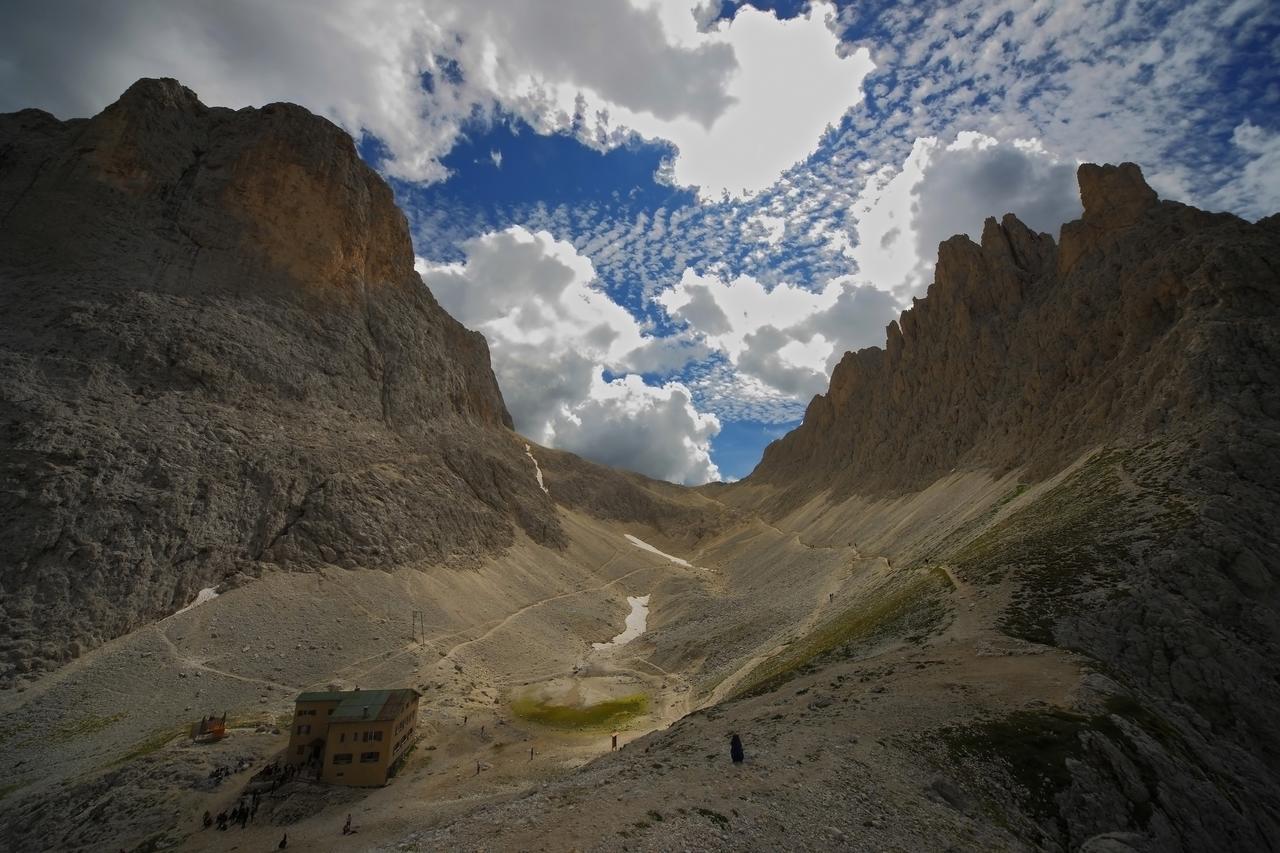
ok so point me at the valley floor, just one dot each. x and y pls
(849, 754)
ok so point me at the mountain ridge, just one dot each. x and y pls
(992, 348)
(218, 358)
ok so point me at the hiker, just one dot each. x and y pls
(735, 749)
(222, 821)
(531, 753)
(284, 842)
(465, 717)
(346, 827)
(207, 820)
(613, 746)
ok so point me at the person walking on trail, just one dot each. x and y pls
(284, 842)
(735, 749)
(613, 747)
(346, 827)
(531, 753)
(208, 819)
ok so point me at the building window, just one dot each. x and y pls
(377, 736)
(342, 738)
(330, 712)
(304, 730)
(368, 758)
(300, 749)
(342, 758)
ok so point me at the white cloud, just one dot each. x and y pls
(787, 338)
(792, 82)
(1159, 84)
(742, 100)
(553, 333)
(657, 431)
(1255, 191)
(940, 191)
(773, 227)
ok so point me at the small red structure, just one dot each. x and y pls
(209, 729)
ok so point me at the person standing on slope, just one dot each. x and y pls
(735, 749)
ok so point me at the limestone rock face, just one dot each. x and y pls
(215, 356)
(1131, 375)
(1151, 316)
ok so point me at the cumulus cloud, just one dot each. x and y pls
(412, 72)
(944, 190)
(629, 424)
(787, 338)
(553, 334)
(793, 81)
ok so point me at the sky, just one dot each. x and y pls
(671, 218)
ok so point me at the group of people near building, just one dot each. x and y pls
(244, 812)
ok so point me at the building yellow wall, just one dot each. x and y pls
(313, 718)
(348, 742)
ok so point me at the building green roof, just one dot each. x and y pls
(321, 696)
(363, 705)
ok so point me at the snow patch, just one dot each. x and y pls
(537, 469)
(637, 619)
(209, 593)
(640, 543)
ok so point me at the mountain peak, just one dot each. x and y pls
(162, 92)
(1114, 196)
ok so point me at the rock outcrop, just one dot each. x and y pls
(215, 356)
(1133, 370)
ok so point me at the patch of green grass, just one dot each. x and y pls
(1031, 747)
(600, 715)
(956, 538)
(86, 725)
(151, 744)
(1073, 544)
(1033, 751)
(910, 603)
(252, 722)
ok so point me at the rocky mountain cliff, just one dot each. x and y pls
(215, 356)
(1150, 317)
(1129, 377)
